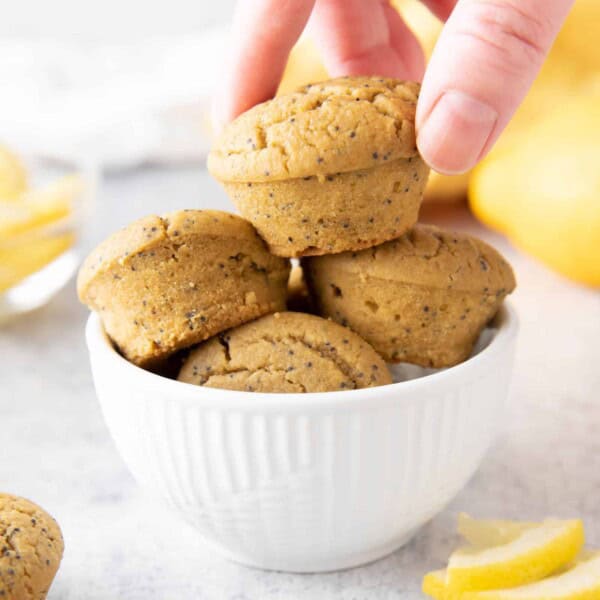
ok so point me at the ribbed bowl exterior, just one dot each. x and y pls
(305, 482)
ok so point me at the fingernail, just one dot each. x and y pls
(454, 135)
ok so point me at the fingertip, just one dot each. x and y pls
(457, 132)
(263, 33)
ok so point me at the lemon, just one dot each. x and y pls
(434, 585)
(540, 184)
(543, 192)
(27, 243)
(13, 177)
(21, 260)
(578, 38)
(581, 582)
(38, 208)
(482, 533)
(534, 553)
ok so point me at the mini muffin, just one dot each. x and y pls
(286, 352)
(298, 295)
(331, 167)
(423, 298)
(166, 283)
(32, 548)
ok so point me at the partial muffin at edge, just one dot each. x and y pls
(329, 168)
(286, 352)
(32, 549)
(423, 298)
(166, 283)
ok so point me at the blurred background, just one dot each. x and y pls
(111, 20)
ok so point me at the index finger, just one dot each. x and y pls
(263, 34)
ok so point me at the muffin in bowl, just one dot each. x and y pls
(423, 298)
(166, 283)
(286, 352)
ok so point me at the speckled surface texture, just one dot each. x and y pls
(118, 544)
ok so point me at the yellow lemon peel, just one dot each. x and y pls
(18, 262)
(38, 208)
(13, 176)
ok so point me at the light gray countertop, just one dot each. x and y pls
(120, 545)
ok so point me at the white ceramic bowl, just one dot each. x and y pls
(306, 482)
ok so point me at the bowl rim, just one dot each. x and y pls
(100, 345)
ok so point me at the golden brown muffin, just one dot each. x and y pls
(31, 549)
(329, 168)
(286, 352)
(423, 298)
(166, 283)
(298, 296)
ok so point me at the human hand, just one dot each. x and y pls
(488, 54)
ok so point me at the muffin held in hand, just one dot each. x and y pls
(32, 548)
(423, 298)
(166, 283)
(329, 168)
(286, 352)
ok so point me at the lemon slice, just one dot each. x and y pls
(37, 208)
(434, 585)
(13, 177)
(533, 554)
(483, 533)
(20, 261)
(581, 582)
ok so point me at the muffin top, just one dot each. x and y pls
(286, 352)
(149, 233)
(428, 256)
(32, 548)
(324, 128)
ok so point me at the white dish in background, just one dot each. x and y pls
(306, 482)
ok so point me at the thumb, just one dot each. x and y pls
(484, 62)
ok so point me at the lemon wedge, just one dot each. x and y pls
(20, 261)
(37, 208)
(483, 533)
(434, 585)
(13, 177)
(581, 582)
(534, 553)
